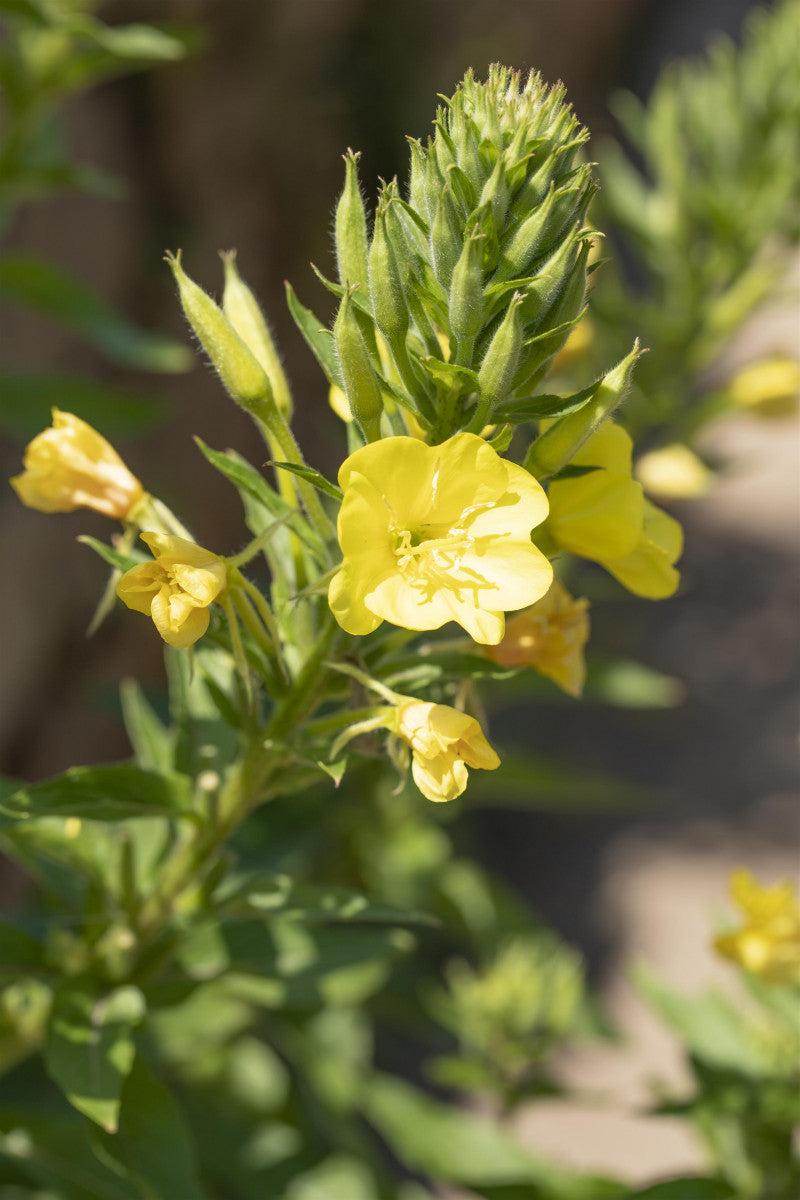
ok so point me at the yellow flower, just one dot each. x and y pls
(603, 515)
(71, 466)
(432, 534)
(444, 742)
(176, 589)
(769, 388)
(768, 943)
(550, 636)
(673, 472)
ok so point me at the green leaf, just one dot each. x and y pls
(120, 562)
(629, 684)
(154, 1141)
(313, 477)
(336, 1178)
(694, 1188)
(298, 966)
(453, 1146)
(152, 742)
(249, 482)
(31, 10)
(106, 793)
(18, 949)
(144, 43)
(56, 294)
(534, 408)
(59, 1155)
(707, 1025)
(280, 896)
(89, 1048)
(318, 338)
(26, 402)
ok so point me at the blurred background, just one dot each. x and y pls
(240, 144)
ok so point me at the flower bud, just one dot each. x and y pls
(466, 294)
(500, 361)
(72, 466)
(361, 385)
(386, 286)
(351, 228)
(495, 193)
(241, 373)
(244, 313)
(445, 238)
(559, 444)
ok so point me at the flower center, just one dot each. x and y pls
(431, 557)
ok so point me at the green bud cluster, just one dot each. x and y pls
(465, 290)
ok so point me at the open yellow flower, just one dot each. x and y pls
(176, 588)
(443, 742)
(72, 466)
(603, 515)
(768, 943)
(549, 636)
(431, 534)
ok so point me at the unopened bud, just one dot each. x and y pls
(446, 238)
(466, 295)
(559, 444)
(240, 372)
(386, 286)
(351, 228)
(361, 385)
(500, 361)
(244, 313)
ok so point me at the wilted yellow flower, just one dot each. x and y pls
(603, 515)
(768, 943)
(770, 388)
(72, 466)
(673, 472)
(432, 534)
(444, 742)
(550, 636)
(176, 589)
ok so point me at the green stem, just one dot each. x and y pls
(243, 791)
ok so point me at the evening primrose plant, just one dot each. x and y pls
(314, 654)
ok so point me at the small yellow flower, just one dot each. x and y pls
(72, 466)
(770, 388)
(432, 534)
(673, 472)
(550, 636)
(603, 515)
(443, 742)
(768, 943)
(176, 588)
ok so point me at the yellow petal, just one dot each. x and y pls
(180, 624)
(597, 516)
(140, 584)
